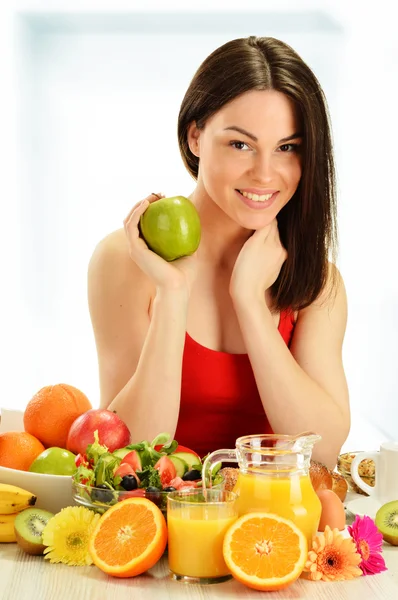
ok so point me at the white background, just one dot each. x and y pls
(89, 107)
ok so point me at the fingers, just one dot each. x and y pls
(268, 236)
(266, 232)
(133, 219)
(272, 231)
(149, 199)
(131, 225)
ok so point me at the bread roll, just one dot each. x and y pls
(230, 476)
(320, 476)
(339, 485)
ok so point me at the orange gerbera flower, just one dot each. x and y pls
(332, 557)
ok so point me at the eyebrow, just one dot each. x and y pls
(255, 139)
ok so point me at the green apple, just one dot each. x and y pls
(54, 461)
(171, 227)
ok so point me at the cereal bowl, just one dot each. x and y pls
(366, 470)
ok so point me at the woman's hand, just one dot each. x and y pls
(258, 264)
(176, 275)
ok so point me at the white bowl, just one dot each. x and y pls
(53, 492)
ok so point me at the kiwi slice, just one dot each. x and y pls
(29, 525)
(387, 522)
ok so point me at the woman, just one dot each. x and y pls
(246, 335)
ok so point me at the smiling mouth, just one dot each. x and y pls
(256, 197)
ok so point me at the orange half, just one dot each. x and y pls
(129, 538)
(264, 551)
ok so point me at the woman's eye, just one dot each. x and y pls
(289, 147)
(239, 145)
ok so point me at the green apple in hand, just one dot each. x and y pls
(171, 227)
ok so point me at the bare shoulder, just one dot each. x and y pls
(110, 250)
(328, 313)
(119, 293)
(333, 296)
(111, 263)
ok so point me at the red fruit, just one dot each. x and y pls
(112, 432)
(133, 459)
(167, 470)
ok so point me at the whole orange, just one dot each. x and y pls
(19, 449)
(51, 412)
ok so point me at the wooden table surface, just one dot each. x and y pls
(24, 577)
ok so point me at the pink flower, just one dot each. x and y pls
(369, 541)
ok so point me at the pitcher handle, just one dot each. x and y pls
(224, 455)
(355, 475)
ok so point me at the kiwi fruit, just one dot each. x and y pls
(28, 526)
(387, 522)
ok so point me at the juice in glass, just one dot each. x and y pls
(292, 497)
(196, 529)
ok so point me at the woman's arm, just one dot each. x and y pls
(139, 355)
(140, 359)
(304, 388)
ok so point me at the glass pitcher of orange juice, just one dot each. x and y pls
(273, 477)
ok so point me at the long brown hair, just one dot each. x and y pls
(307, 223)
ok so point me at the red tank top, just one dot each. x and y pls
(219, 396)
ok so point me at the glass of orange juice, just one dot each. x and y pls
(196, 527)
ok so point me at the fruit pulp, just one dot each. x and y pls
(292, 497)
(196, 536)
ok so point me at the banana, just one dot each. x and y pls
(7, 533)
(13, 499)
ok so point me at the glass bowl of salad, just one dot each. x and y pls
(101, 498)
(147, 469)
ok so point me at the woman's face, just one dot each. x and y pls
(249, 156)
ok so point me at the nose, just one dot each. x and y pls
(263, 169)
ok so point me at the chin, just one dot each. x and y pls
(256, 221)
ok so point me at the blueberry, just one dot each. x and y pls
(129, 483)
(192, 475)
(152, 489)
(169, 489)
(102, 494)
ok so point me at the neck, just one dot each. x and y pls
(223, 248)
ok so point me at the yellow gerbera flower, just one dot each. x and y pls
(332, 557)
(67, 535)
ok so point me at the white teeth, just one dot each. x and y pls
(256, 197)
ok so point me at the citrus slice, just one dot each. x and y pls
(129, 538)
(264, 551)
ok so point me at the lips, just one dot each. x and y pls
(256, 201)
